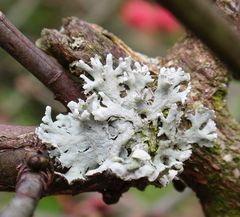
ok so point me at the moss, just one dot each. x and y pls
(220, 207)
(91, 47)
(236, 159)
(218, 99)
(216, 149)
(165, 112)
(152, 147)
(213, 178)
(150, 138)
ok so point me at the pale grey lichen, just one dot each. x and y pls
(76, 43)
(227, 157)
(236, 173)
(125, 127)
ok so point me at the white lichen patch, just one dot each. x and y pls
(125, 127)
(236, 173)
(76, 43)
(227, 157)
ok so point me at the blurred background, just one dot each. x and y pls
(146, 28)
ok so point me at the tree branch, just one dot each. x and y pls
(203, 19)
(29, 190)
(215, 180)
(37, 62)
(207, 173)
(24, 148)
(13, 131)
(33, 170)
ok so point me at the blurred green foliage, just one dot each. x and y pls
(151, 194)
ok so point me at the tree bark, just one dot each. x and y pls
(213, 173)
(214, 179)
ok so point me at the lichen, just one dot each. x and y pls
(125, 127)
(76, 43)
(227, 158)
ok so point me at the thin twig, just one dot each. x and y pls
(28, 192)
(205, 22)
(37, 62)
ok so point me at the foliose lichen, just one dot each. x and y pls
(125, 127)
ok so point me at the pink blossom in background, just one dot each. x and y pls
(148, 17)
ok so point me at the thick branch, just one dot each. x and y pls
(209, 25)
(207, 172)
(37, 62)
(215, 180)
(13, 131)
(17, 148)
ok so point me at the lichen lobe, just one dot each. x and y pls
(126, 127)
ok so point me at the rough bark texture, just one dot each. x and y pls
(215, 180)
(213, 173)
(18, 147)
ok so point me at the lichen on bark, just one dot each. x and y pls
(122, 114)
(213, 173)
(206, 172)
